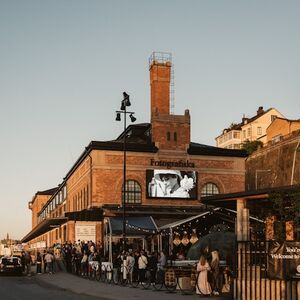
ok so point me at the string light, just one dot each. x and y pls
(140, 228)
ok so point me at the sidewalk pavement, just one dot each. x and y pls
(106, 291)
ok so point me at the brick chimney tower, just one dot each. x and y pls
(169, 132)
(160, 78)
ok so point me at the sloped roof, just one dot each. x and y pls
(201, 149)
(139, 139)
(48, 192)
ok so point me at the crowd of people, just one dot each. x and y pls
(77, 257)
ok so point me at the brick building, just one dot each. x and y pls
(250, 129)
(90, 196)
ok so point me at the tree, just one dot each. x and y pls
(250, 147)
(286, 207)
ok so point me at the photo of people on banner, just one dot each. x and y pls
(171, 184)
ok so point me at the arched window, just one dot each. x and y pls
(133, 192)
(209, 189)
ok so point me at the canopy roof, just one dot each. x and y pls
(44, 227)
(135, 226)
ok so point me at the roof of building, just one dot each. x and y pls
(138, 139)
(48, 192)
(229, 199)
(238, 126)
(201, 149)
(258, 115)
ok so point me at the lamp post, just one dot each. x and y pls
(124, 103)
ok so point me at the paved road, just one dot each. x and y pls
(66, 286)
(30, 288)
(83, 286)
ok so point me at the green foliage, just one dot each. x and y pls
(232, 125)
(250, 147)
(286, 207)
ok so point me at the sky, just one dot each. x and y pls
(64, 65)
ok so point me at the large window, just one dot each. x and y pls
(209, 189)
(133, 192)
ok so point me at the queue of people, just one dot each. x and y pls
(45, 263)
(77, 258)
(137, 263)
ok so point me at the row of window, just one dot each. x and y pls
(81, 199)
(56, 200)
(248, 132)
(233, 134)
(134, 191)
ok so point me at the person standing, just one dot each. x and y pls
(39, 263)
(28, 263)
(152, 266)
(130, 265)
(84, 264)
(49, 262)
(215, 268)
(203, 287)
(162, 261)
(142, 263)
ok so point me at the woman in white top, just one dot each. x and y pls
(142, 263)
(203, 286)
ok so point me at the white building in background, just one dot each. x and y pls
(4, 250)
(250, 129)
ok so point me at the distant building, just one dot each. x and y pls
(250, 129)
(38, 201)
(281, 128)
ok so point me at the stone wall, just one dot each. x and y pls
(272, 166)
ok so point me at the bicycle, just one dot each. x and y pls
(94, 271)
(139, 278)
(165, 278)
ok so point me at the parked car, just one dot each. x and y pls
(10, 265)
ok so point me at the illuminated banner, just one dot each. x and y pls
(171, 184)
(284, 260)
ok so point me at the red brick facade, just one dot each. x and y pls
(96, 179)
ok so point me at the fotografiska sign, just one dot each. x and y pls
(170, 164)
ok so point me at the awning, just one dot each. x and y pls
(44, 227)
(135, 226)
(257, 196)
(216, 211)
(183, 221)
(91, 214)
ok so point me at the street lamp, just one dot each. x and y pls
(124, 103)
